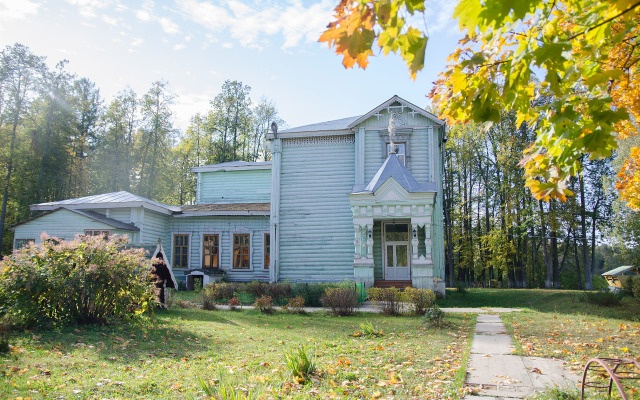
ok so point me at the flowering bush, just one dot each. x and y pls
(264, 304)
(87, 280)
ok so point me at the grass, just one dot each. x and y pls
(163, 356)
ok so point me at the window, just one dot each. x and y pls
(267, 251)
(401, 151)
(241, 255)
(210, 251)
(20, 243)
(98, 232)
(180, 251)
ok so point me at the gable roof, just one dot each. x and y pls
(620, 270)
(114, 223)
(404, 103)
(233, 166)
(107, 200)
(393, 168)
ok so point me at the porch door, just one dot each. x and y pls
(396, 249)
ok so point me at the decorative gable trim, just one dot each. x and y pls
(387, 105)
(318, 141)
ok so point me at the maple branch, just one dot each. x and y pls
(605, 21)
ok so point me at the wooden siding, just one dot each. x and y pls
(121, 214)
(419, 151)
(154, 226)
(225, 227)
(316, 225)
(63, 224)
(373, 154)
(244, 186)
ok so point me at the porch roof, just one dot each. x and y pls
(393, 168)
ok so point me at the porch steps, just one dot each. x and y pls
(387, 284)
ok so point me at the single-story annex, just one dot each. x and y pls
(357, 199)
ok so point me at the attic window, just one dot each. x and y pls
(401, 152)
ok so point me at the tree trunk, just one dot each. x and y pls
(588, 284)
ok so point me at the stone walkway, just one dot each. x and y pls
(498, 374)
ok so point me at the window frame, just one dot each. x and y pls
(233, 234)
(207, 233)
(25, 242)
(403, 154)
(173, 249)
(91, 232)
(265, 243)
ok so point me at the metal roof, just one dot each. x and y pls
(620, 270)
(335, 125)
(233, 165)
(106, 200)
(92, 215)
(393, 168)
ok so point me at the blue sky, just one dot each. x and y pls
(195, 45)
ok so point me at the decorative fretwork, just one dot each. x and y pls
(319, 140)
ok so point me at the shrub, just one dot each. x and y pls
(420, 299)
(279, 291)
(209, 296)
(300, 363)
(224, 291)
(461, 287)
(341, 300)
(434, 315)
(295, 305)
(5, 327)
(233, 303)
(256, 288)
(388, 299)
(311, 292)
(603, 299)
(264, 304)
(87, 280)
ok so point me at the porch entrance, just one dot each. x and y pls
(396, 251)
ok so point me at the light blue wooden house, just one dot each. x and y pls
(355, 199)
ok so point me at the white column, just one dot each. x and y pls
(414, 240)
(427, 241)
(370, 241)
(357, 237)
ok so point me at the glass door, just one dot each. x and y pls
(396, 257)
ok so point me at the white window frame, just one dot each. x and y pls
(173, 250)
(108, 231)
(404, 155)
(28, 240)
(241, 232)
(202, 234)
(264, 253)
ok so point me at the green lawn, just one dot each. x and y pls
(160, 357)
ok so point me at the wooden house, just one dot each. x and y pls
(355, 199)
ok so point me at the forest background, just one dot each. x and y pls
(61, 139)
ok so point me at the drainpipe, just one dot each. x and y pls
(276, 156)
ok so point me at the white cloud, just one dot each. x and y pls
(439, 17)
(252, 24)
(168, 26)
(146, 14)
(87, 8)
(109, 20)
(12, 9)
(227, 45)
(179, 46)
(136, 42)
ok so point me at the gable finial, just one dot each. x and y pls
(392, 133)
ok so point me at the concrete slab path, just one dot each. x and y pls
(498, 374)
